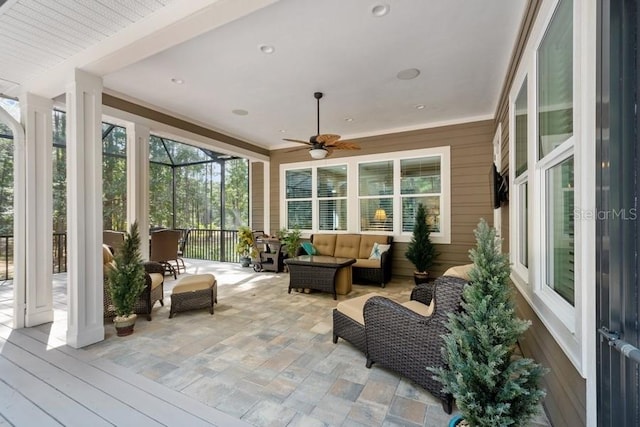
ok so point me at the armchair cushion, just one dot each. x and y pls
(420, 308)
(461, 271)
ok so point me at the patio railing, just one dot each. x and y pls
(214, 245)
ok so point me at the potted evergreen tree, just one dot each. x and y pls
(420, 251)
(491, 386)
(126, 281)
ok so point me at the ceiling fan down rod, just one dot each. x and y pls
(318, 95)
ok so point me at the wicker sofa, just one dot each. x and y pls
(408, 341)
(153, 290)
(358, 247)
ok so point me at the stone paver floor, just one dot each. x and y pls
(265, 356)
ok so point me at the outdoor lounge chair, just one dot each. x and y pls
(164, 249)
(408, 342)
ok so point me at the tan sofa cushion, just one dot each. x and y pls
(325, 244)
(366, 244)
(367, 263)
(461, 271)
(354, 307)
(347, 246)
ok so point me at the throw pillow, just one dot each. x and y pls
(378, 250)
(309, 248)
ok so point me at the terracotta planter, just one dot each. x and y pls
(420, 277)
(124, 324)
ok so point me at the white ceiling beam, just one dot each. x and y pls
(169, 26)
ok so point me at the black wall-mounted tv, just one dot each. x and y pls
(499, 188)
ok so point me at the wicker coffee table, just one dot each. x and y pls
(316, 272)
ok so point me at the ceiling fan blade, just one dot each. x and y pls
(343, 145)
(327, 138)
(297, 140)
(297, 149)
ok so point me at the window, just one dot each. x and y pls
(298, 197)
(370, 194)
(420, 183)
(552, 251)
(559, 245)
(555, 81)
(555, 148)
(332, 197)
(375, 183)
(520, 118)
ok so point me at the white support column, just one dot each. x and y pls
(266, 171)
(19, 228)
(84, 210)
(36, 115)
(138, 181)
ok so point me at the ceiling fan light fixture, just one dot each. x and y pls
(318, 153)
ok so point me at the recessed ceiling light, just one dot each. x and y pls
(348, 119)
(177, 81)
(420, 107)
(268, 49)
(282, 131)
(380, 10)
(408, 74)
(240, 112)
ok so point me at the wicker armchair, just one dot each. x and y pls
(153, 290)
(407, 342)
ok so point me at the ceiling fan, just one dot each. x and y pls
(323, 144)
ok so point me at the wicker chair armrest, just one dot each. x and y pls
(423, 292)
(153, 267)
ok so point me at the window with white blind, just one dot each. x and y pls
(298, 196)
(375, 184)
(331, 190)
(420, 180)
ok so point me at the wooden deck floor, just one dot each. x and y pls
(43, 383)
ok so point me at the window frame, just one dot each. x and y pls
(353, 198)
(570, 326)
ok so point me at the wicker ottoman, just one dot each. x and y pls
(194, 292)
(348, 321)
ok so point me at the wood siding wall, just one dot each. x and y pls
(471, 153)
(257, 196)
(565, 403)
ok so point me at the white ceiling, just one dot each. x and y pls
(338, 47)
